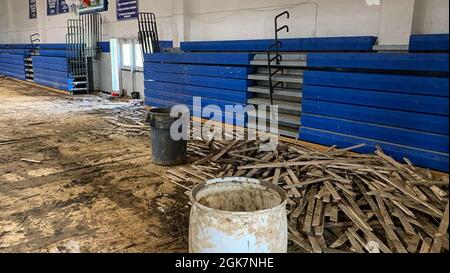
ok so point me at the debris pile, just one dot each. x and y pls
(339, 201)
(130, 119)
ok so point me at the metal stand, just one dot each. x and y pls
(275, 48)
(148, 33)
(83, 36)
(33, 39)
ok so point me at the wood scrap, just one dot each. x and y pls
(31, 161)
(339, 202)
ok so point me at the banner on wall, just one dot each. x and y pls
(63, 7)
(55, 7)
(52, 7)
(33, 9)
(127, 9)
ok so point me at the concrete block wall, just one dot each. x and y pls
(393, 21)
(189, 20)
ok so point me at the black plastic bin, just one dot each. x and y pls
(165, 150)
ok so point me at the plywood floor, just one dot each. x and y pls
(95, 190)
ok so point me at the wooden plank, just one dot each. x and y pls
(443, 227)
(318, 214)
(304, 163)
(299, 240)
(307, 227)
(389, 227)
(292, 179)
(398, 186)
(361, 223)
(224, 151)
(436, 246)
(334, 214)
(315, 244)
(276, 177)
(309, 182)
(332, 191)
(409, 229)
(426, 245)
(340, 241)
(303, 203)
(358, 248)
(413, 244)
(384, 213)
(326, 196)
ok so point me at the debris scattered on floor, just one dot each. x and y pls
(339, 202)
(130, 118)
(31, 161)
(94, 191)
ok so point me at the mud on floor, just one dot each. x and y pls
(92, 190)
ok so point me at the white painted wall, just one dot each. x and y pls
(192, 20)
(188, 20)
(53, 28)
(396, 19)
(4, 21)
(431, 17)
(214, 20)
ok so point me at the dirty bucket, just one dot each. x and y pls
(238, 215)
(165, 150)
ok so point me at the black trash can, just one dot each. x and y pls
(165, 150)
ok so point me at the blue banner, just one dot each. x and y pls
(63, 7)
(127, 9)
(55, 7)
(33, 9)
(52, 7)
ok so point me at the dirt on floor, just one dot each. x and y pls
(91, 188)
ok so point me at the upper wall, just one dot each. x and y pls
(390, 20)
(52, 29)
(431, 17)
(253, 19)
(190, 20)
(4, 22)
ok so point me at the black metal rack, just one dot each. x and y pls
(82, 45)
(278, 58)
(75, 46)
(33, 39)
(148, 33)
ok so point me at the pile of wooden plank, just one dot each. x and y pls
(339, 201)
(130, 119)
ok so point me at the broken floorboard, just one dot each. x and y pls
(94, 188)
(367, 203)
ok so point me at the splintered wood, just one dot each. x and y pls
(339, 202)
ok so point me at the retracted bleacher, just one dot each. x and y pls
(336, 91)
(47, 64)
(51, 67)
(218, 78)
(12, 60)
(220, 72)
(397, 101)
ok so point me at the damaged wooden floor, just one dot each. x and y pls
(92, 190)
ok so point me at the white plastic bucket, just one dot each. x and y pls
(238, 215)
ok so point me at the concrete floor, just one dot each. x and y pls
(95, 190)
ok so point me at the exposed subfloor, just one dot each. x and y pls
(94, 190)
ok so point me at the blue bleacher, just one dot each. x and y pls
(12, 63)
(364, 43)
(50, 65)
(218, 78)
(425, 62)
(351, 95)
(430, 42)
(375, 99)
